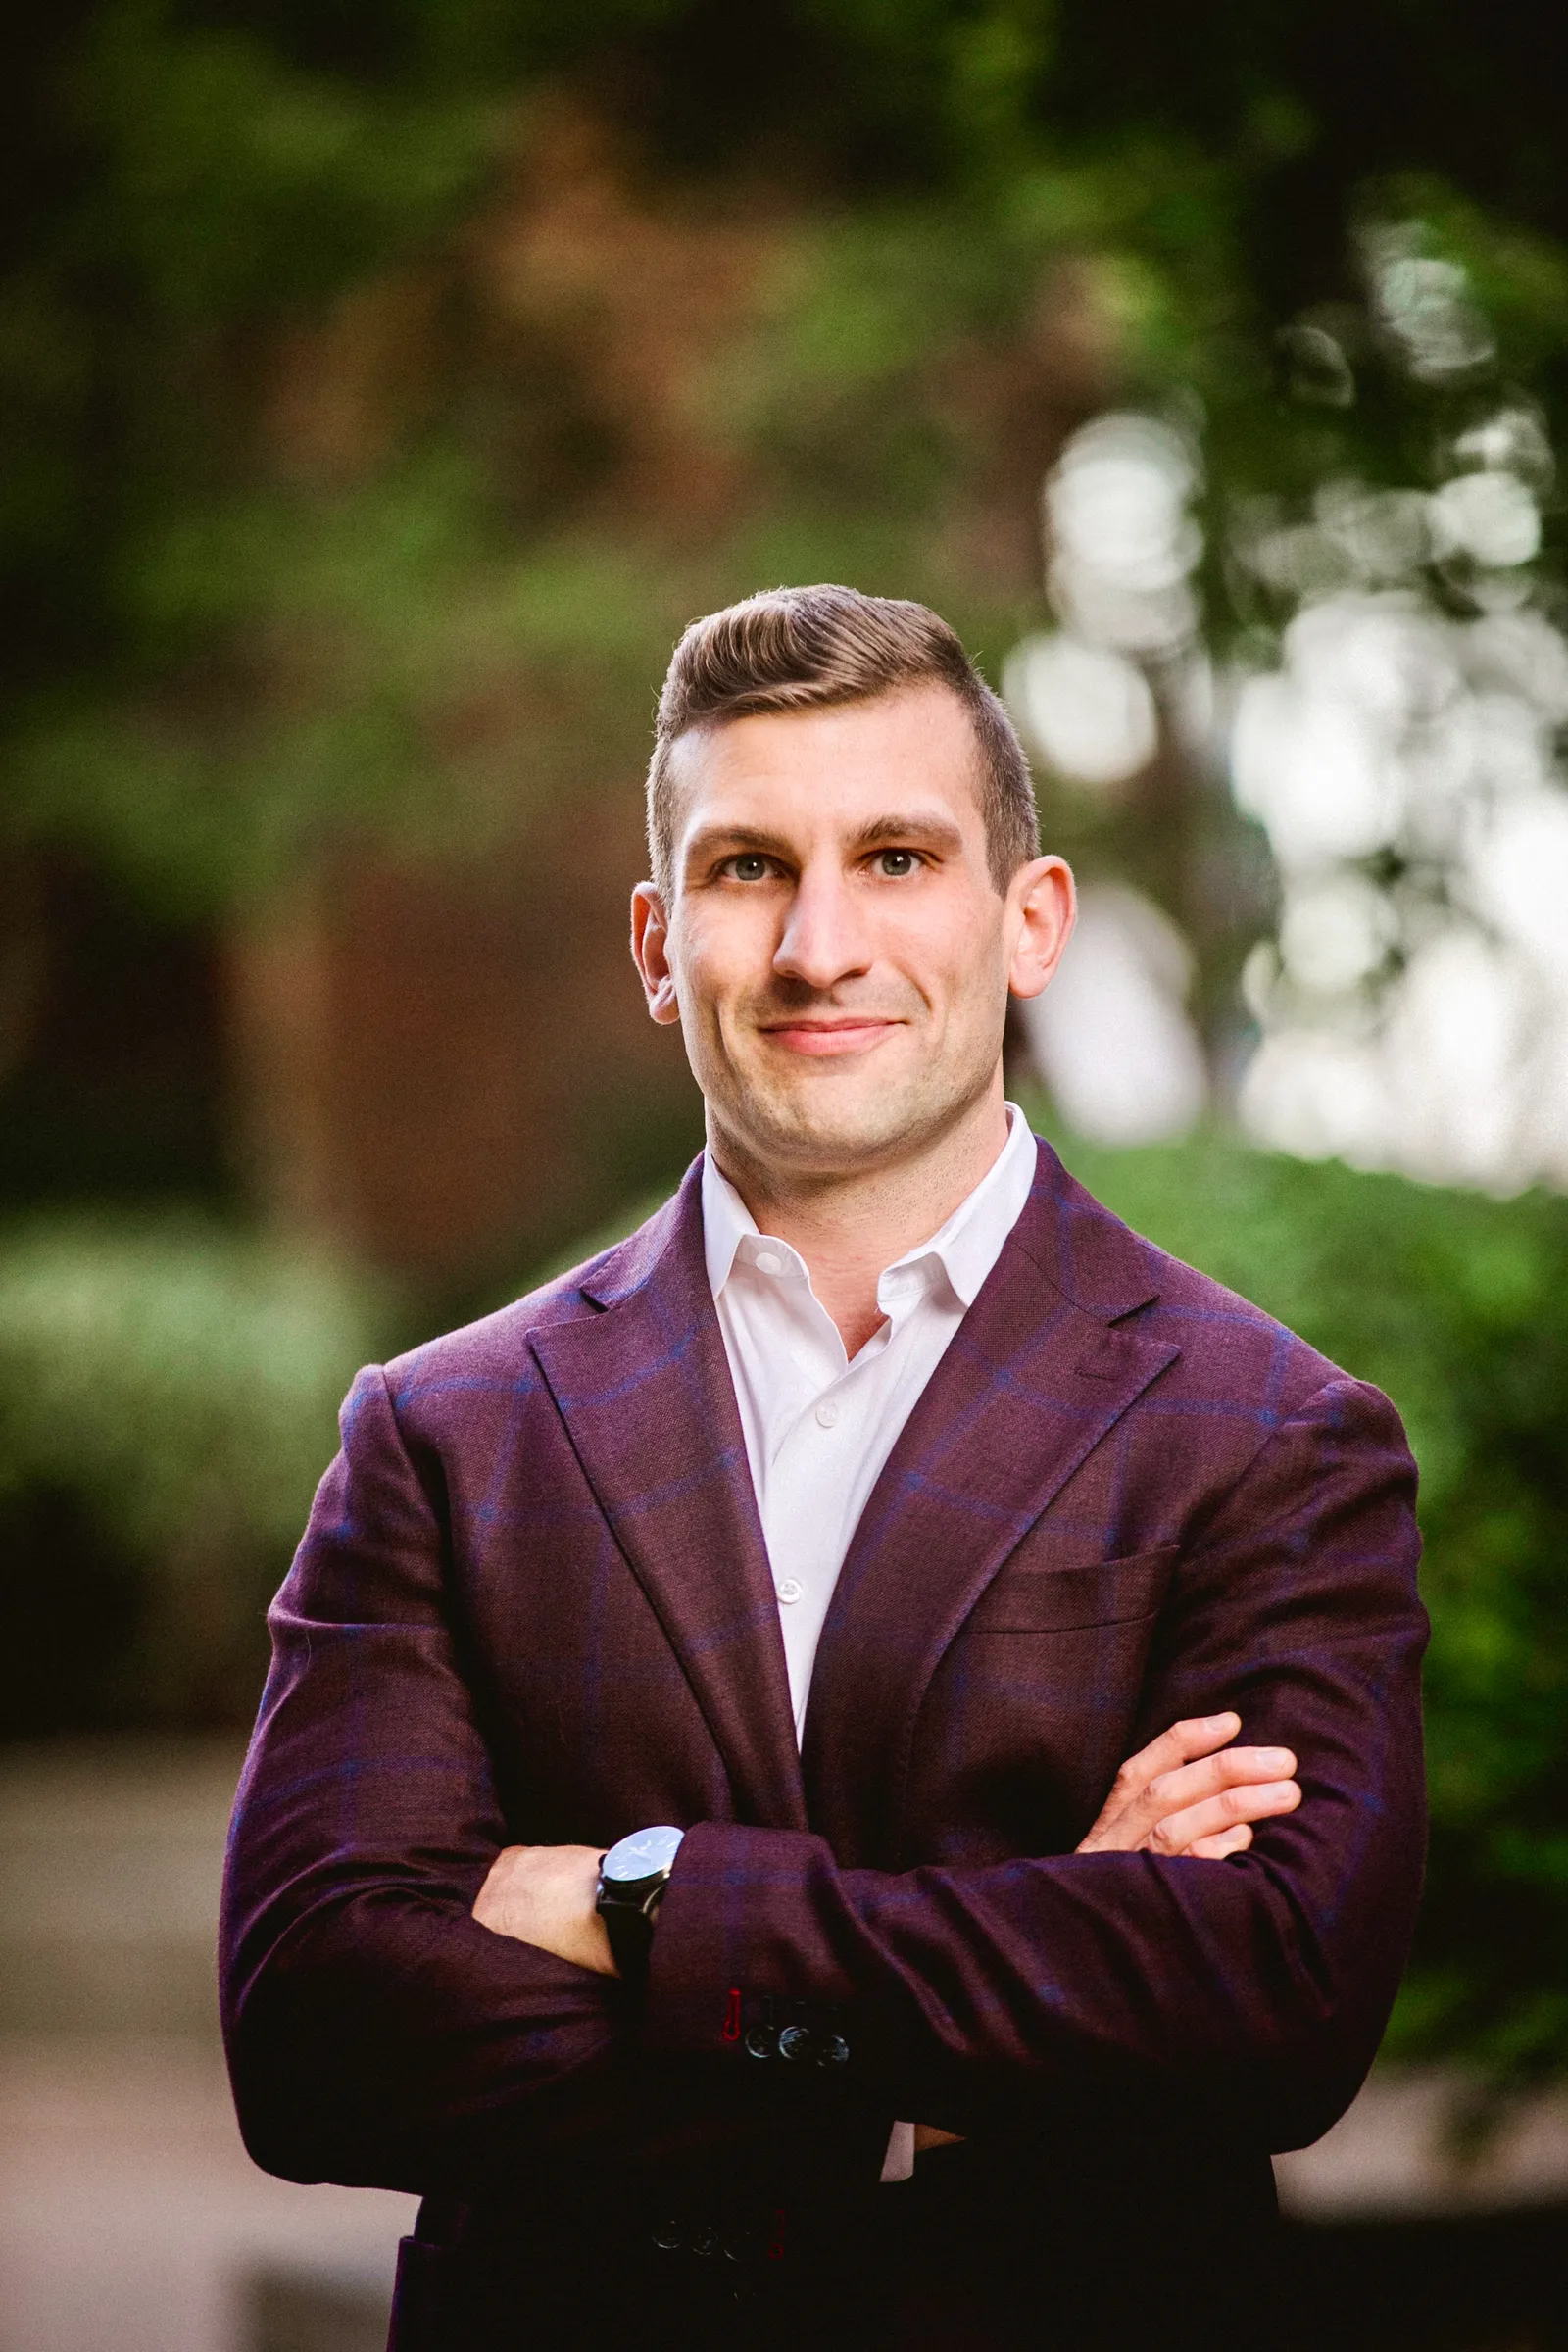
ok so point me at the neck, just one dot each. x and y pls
(850, 1224)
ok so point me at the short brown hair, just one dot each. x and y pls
(796, 648)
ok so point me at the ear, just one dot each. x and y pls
(1042, 909)
(650, 953)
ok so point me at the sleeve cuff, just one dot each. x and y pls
(738, 1923)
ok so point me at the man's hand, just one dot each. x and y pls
(1190, 1792)
(545, 1895)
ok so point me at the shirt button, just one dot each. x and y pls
(788, 1590)
(768, 1261)
(827, 1412)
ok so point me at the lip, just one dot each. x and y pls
(821, 1038)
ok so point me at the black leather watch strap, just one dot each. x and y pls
(630, 1929)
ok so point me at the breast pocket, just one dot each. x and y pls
(1028, 1599)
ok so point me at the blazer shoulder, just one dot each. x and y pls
(1215, 1326)
(1228, 1343)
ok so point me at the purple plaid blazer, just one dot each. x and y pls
(533, 1605)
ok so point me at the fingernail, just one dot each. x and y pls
(1213, 1722)
(1275, 1759)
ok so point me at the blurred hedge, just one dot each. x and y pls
(168, 1393)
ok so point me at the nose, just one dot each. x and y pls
(825, 939)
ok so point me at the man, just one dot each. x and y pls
(821, 1551)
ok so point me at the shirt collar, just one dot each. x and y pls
(726, 1223)
(966, 1247)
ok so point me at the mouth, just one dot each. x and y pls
(848, 1033)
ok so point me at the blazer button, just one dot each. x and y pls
(796, 2041)
(760, 2042)
(832, 2050)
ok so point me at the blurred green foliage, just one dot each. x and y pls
(213, 663)
(385, 620)
(175, 1384)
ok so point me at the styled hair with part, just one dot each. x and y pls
(799, 649)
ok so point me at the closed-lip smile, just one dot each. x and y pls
(843, 1033)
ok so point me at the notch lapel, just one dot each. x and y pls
(645, 1391)
(1034, 1377)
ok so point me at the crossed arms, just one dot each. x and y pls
(379, 2031)
(1189, 1794)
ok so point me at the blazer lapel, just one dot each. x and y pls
(1034, 1378)
(645, 1391)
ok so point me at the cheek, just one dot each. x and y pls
(709, 960)
(717, 970)
(955, 963)
(726, 940)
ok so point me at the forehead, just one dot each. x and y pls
(832, 767)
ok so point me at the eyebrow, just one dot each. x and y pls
(712, 841)
(928, 829)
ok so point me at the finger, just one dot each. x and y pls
(1174, 1792)
(1177, 1832)
(1217, 1849)
(1196, 1735)
(1125, 1818)
(1131, 1815)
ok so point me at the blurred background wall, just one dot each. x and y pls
(381, 390)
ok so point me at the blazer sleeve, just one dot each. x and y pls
(1254, 1989)
(377, 2034)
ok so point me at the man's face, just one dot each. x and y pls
(837, 953)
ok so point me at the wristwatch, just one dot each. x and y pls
(632, 1878)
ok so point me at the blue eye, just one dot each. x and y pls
(896, 863)
(749, 866)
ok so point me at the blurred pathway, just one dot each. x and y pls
(131, 2218)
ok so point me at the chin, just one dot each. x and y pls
(829, 1129)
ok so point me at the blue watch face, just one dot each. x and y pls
(642, 1855)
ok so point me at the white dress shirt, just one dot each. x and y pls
(819, 1426)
